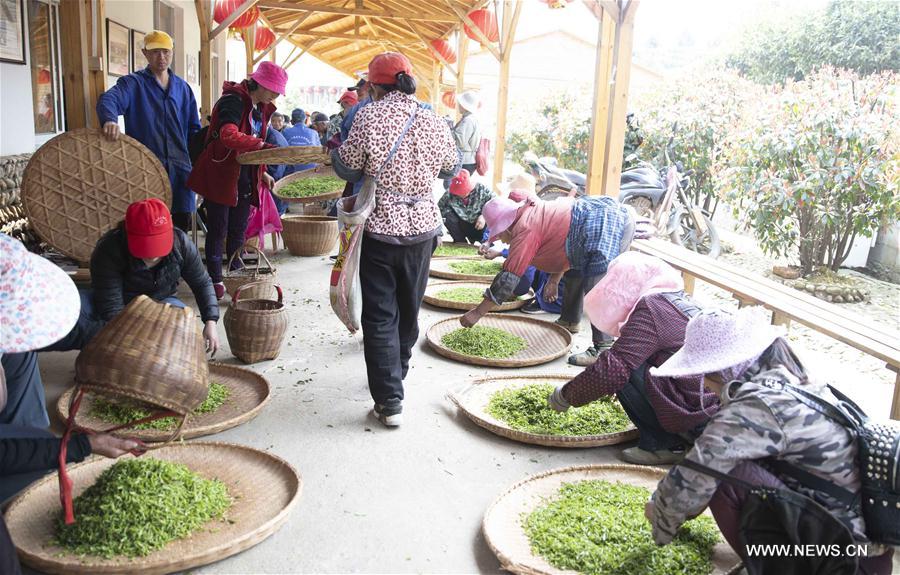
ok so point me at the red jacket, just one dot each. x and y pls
(215, 175)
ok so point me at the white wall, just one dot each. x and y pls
(16, 117)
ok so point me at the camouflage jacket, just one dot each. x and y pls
(755, 422)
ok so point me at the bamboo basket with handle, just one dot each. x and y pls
(255, 328)
(261, 274)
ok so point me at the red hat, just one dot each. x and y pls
(383, 68)
(349, 97)
(148, 227)
(461, 185)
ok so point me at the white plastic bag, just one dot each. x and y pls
(344, 290)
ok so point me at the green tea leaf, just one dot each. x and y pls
(312, 186)
(482, 341)
(124, 411)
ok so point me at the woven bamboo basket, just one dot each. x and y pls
(77, 187)
(433, 297)
(473, 402)
(441, 268)
(264, 488)
(264, 275)
(317, 172)
(546, 340)
(309, 235)
(255, 328)
(152, 352)
(248, 393)
(468, 247)
(286, 155)
(502, 524)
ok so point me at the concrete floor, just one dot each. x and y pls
(374, 500)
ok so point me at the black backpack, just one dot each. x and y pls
(197, 144)
(878, 457)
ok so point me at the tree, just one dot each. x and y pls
(859, 36)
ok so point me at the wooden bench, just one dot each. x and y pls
(786, 304)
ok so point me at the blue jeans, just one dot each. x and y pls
(25, 402)
(90, 323)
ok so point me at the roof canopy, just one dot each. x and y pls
(346, 34)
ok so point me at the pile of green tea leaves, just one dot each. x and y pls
(138, 506)
(477, 267)
(121, 412)
(462, 294)
(598, 528)
(455, 250)
(486, 342)
(312, 186)
(525, 409)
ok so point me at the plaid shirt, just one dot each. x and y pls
(595, 234)
(469, 208)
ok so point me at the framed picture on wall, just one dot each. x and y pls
(190, 69)
(138, 62)
(118, 48)
(12, 32)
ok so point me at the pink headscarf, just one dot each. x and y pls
(631, 276)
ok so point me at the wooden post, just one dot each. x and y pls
(511, 13)
(462, 53)
(435, 85)
(688, 282)
(96, 21)
(619, 104)
(895, 404)
(206, 87)
(249, 43)
(600, 113)
(779, 318)
(74, 36)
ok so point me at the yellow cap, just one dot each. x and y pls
(158, 40)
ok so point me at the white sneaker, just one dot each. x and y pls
(389, 419)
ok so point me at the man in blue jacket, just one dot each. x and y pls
(299, 134)
(161, 113)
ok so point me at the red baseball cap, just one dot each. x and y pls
(461, 185)
(383, 68)
(148, 227)
(349, 97)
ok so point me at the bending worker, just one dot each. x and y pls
(583, 234)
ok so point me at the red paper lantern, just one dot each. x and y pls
(444, 48)
(43, 76)
(224, 9)
(264, 37)
(449, 99)
(486, 21)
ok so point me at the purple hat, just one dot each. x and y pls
(271, 77)
(499, 214)
(717, 339)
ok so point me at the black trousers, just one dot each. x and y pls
(393, 280)
(577, 286)
(461, 230)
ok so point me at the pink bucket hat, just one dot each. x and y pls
(39, 304)
(717, 339)
(630, 277)
(499, 214)
(271, 77)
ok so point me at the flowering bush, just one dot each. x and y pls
(819, 166)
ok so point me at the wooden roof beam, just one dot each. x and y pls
(300, 6)
(440, 58)
(284, 35)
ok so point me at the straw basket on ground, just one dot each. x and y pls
(264, 275)
(309, 235)
(255, 328)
